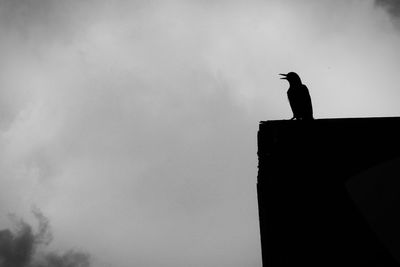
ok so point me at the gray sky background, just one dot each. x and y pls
(132, 124)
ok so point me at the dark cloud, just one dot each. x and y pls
(16, 249)
(21, 247)
(392, 6)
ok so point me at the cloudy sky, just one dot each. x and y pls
(132, 124)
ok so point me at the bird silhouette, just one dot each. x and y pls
(299, 97)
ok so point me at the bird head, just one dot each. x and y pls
(292, 77)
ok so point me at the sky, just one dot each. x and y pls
(131, 125)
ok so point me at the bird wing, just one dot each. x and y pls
(307, 109)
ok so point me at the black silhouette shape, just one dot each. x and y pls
(328, 192)
(299, 97)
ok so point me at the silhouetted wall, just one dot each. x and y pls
(317, 194)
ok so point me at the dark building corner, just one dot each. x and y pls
(327, 194)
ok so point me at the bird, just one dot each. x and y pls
(299, 97)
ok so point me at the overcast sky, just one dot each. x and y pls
(132, 124)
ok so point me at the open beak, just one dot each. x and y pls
(284, 76)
